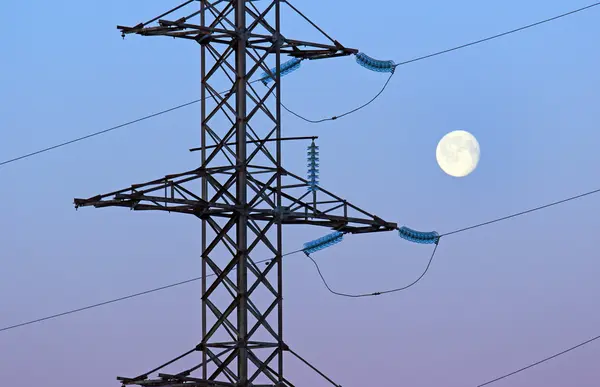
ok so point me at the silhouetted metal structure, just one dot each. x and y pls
(246, 195)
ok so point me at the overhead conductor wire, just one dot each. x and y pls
(522, 213)
(517, 214)
(420, 58)
(318, 121)
(104, 131)
(333, 118)
(540, 362)
(461, 230)
(7, 328)
(373, 294)
(297, 115)
(98, 133)
(473, 43)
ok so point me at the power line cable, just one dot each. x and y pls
(352, 111)
(343, 114)
(294, 252)
(354, 295)
(98, 133)
(110, 129)
(363, 295)
(522, 213)
(420, 58)
(51, 317)
(572, 198)
(417, 59)
(317, 266)
(540, 362)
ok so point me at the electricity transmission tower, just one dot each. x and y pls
(241, 192)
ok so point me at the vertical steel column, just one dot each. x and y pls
(204, 187)
(241, 190)
(278, 199)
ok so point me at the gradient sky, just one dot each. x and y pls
(496, 299)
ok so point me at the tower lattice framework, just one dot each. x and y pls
(241, 192)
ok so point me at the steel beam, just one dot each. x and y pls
(246, 196)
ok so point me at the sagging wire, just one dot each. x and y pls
(361, 58)
(267, 261)
(336, 117)
(404, 232)
(390, 66)
(417, 59)
(374, 294)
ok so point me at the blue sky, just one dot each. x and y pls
(496, 298)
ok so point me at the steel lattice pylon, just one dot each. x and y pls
(246, 196)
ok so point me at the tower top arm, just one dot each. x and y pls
(213, 22)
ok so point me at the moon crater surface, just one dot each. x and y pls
(458, 153)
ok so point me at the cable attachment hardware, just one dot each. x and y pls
(284, 69)
(380, 66)
(419, 236)
(312, 158)
(323, 243)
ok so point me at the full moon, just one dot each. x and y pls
(458, 153)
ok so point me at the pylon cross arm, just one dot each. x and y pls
(171, 194)
(176, 23)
